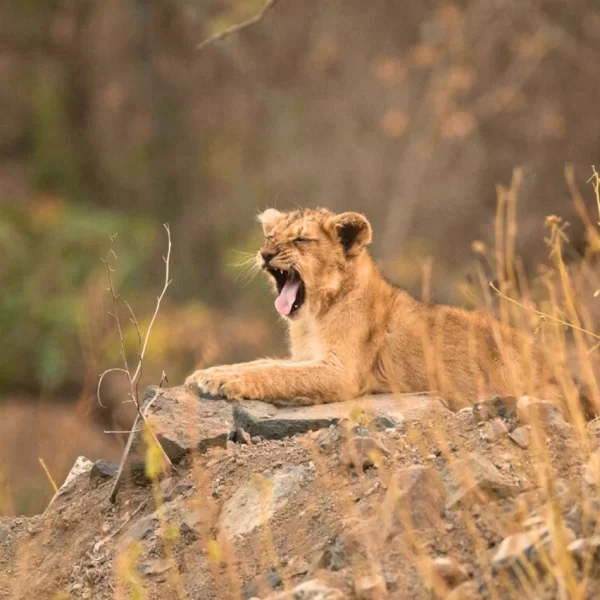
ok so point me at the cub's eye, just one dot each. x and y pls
(299, 240)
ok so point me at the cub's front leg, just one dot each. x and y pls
(277, 380)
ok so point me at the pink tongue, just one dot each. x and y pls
(287, 297)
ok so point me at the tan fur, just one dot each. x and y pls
(357, 334)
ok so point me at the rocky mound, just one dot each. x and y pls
(392, 496)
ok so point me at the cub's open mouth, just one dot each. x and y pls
(290, 288)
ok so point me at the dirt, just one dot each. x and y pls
(331, 521)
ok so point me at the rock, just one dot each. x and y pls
(141, 529)
(310, 590)
(80, 467)
(183, 422)
(491, 431)
(261, 585)
(327, 438)
(383, 423)
(250, 507)
(256, 439)
(533, 522)
(272, 422)
(363, 452)
(585, 549)
(504, 407)
(477, 480)
(371, 587)
(534, 411)
(296, 566)
(531, 547)
(518, 549)
(178, 489)
(449, 570)
(415, 498)
(188, 524)
(591, 470)
(521, 436)
(156, 566)
(103, 470)
(243, 437)
(467, 591)
(334, 556)
(593, 428)
(165, 485)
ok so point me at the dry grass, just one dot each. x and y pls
(558, 307)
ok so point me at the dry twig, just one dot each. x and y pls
(269, 4)
(134, 379)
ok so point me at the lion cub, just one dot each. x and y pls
(352, 333)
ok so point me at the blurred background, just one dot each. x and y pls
(113, 123)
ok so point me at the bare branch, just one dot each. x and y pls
(134, 380)
(167, 260)
(134, 320)
(102, 375)
(134, 430)
(123, 431)
(163, 379)
(269, 4)
(115, 313)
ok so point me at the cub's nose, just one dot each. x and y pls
(267, 256)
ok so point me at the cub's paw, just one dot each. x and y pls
(220, 383)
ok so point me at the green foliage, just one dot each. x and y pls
(50, 266)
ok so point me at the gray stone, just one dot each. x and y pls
(243, 437)
(310, 590)
(327, 438)
(534, 411)
(384, 422)
(466, 591)
(156, 566)
(296, 566)
(334, 556)
(184, 422)
(370, 587)
(254, 504)
(491, 431)
(141, 529)
(591, 470)
(261, 584)
(519, 552)
(449, 570)
(273, 422)
(586, 549)
(103, 470)
(81, 466)
(521, 436)
(188, 525)
(415, 498)
(504, 407)
(363, 452)
(477, 480)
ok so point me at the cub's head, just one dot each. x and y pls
(310, 255)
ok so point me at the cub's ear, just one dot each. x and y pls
(354, 231)
(269, 219)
